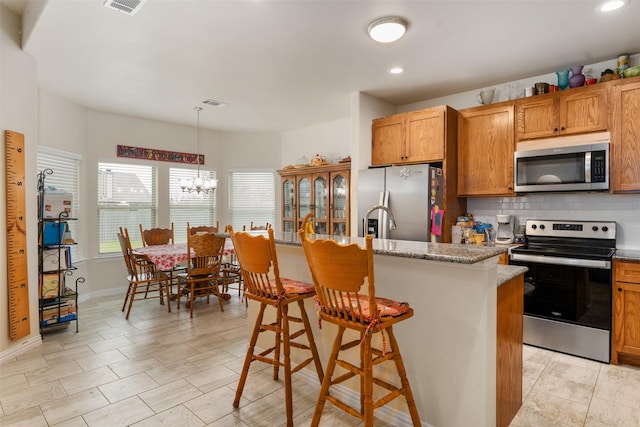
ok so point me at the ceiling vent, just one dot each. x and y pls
(130, 7)
(213, 103)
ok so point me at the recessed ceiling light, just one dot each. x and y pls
(611, 5)
(396, 70)
(387, 29)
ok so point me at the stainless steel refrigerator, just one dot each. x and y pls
(413, 195)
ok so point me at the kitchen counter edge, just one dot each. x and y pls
(508, 272)
(444, 252)
(627, 255)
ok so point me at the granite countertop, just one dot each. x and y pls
(445, 252)
(627, 255)
(508, 272)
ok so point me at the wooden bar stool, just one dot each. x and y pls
(339, 272)
(259, 265)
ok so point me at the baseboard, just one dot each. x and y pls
(21, 347)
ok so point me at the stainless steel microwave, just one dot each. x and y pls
(571, 168)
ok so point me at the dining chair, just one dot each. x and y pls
(203, 228)
(339, 274)
(264, 285)
(156, 236)
(202, 277)
(144, 279)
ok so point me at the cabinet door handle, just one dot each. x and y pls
(562, 128)
(555, 129)
(619, 289)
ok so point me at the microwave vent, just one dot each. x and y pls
(130, 7)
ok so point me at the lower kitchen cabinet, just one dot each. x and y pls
(486, 143)
(626, 313)
(509, 350)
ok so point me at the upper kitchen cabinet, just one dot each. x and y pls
(414, 137)
(573, 111)
(625, 136)
(486, 145)
(321, 190)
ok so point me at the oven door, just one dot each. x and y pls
(567, 307)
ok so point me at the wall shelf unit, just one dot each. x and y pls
(57, 289)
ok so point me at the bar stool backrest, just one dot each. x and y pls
(339, 273)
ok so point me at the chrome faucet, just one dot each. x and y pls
(393, 225)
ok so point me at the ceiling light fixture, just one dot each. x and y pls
(387, 29)
(396, 70)
(611, 5)
(198, 185)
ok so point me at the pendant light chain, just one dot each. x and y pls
(198, 185)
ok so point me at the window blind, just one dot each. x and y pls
(251, 197)
(197, 209)
(127, 197)
(66, 170)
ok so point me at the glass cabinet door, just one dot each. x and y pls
(304, 197)
(288, 198)
(288, 204)
(321, 203)
(339, 194)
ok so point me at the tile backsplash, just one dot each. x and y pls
(623, 209)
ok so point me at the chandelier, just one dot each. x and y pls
(198, 185)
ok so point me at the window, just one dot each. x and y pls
(197, 209)
(66, 170)
(126, 198)
(251, 197)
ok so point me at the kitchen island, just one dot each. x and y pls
(450, 344)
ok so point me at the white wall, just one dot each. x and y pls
(330, 139)
(18, 113)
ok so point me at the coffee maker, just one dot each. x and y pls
(504, 232)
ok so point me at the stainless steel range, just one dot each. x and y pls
(567, 294)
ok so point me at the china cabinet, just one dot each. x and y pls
(568, 112)
(485, 150)
(625, 139)
(413, 137)
(321, 190)
(57, 301)
(626, 312)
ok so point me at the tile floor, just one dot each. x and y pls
(166, 369)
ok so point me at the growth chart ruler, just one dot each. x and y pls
(17, 270)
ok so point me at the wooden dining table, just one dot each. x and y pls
(167, 257)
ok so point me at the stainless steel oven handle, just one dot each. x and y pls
(592, 263)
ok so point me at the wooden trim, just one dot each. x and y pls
(564, 141)
(315, 169)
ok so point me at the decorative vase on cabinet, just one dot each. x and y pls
(577, 78)
(563, 79)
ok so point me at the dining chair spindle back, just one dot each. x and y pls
(143, 277)
(156, 236)
(202, 277)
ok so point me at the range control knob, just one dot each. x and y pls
(595, 228)
(541, 226)
(533, 226)
(605, 228)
